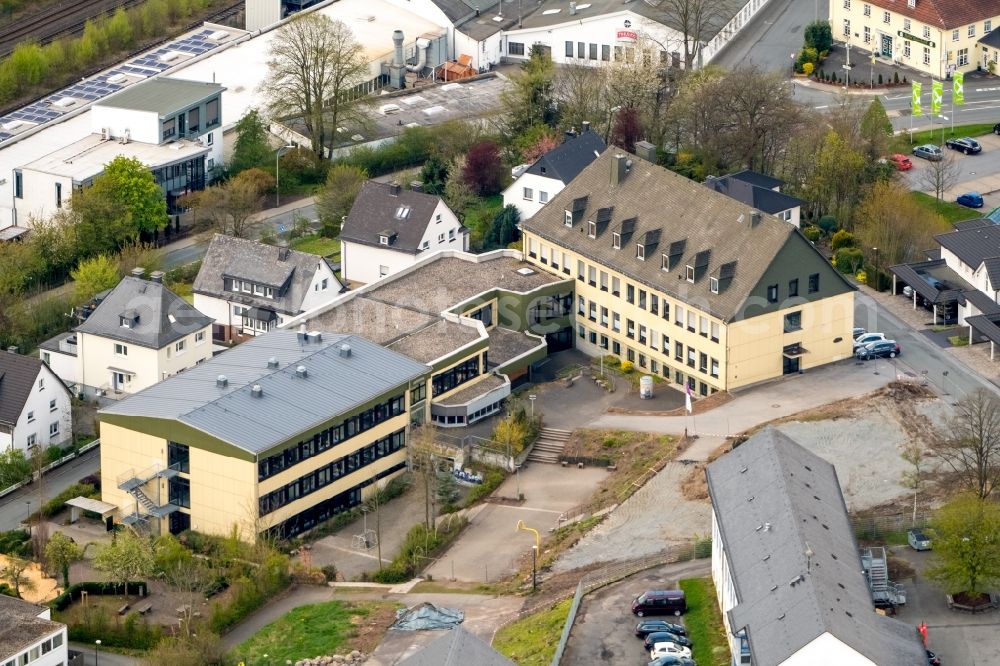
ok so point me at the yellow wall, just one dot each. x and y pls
(122, 451)
(223, 493)
(490, 303)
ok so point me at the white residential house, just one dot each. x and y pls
(35, 407)
(782, 543)
(761, 192)
(390, 228)
(249, 287)
(553, 171)
(140, 334)
(29, 636)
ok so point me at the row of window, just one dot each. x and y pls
(547, 308)
(248, 287)
(35, 653)
(32, 439)
(328, 438)
(456, 376)
(452, 235)
(585, 51)
(462, 419)
(689, 319)
(52, 408)
(324, 476)
(773, 295)
(529, 195)
(179, 347)
(970, 30)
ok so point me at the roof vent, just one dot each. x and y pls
(314, 336)
(64, 102)
(117, 78)
(257, 391)
(767, 527)
(218, 35)
(301, 371)
(525, 271)
(302, 333)
(157, 276)
(170, 56)
(755, 217)
(138, 272)
(222, 381)
(345, 350)
(272, 362)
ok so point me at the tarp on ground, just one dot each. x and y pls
(427, 616)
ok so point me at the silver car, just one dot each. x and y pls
(929, 151)
(918, 539)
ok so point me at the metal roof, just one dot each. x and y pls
(973, 245)
(793, 557)
(289, 404)
(163, 95)
(457, 647)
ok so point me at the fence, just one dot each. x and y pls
(887, 527)
(51, 466)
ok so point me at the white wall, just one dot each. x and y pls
(63, 365)
(514, 194)
(38, 405)
(731, 29)
(827, 650)
(57, 656)
(443, 222)
(143, 126)
(318, 294)
(39, 200)
(218, 309)
(483, 53)
(363, 263)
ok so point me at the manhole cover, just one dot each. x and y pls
(775, 405)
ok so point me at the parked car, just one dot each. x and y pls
(901, 162)
(880, 349)
(660, 602)
(933, 659)
(866, 338)
(918, 539)
(668, 648)
(971, 199)
(649, 626)
(672, 660)
(929, 151)
(664, 637)
(858, 332)
(965, 144)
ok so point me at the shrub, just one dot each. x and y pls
(418, 547)
(842, 239)
(807, 68)
(812, 233)
(96, 622)
(849, 259)
(895, 77)
(15, 542)
(492, 478)
(57, 503)
(627, 367)
(827, 223)
(483, 170)
(72, 593)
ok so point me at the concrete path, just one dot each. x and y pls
(102, 657)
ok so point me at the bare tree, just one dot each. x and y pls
(940, 176)
(191, 580)
(973, 450)
(697, 21)
(231, 205)
(913, 478)
(891, 220)
(315, 68)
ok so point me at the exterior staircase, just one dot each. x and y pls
(549, 446)
(144, 499)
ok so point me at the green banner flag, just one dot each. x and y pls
(915, 107)
(937, 90)
(958, 88)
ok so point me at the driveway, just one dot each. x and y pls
(604, 627)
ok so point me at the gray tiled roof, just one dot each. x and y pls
(163, 95)
(374, 214)
(747, 192)
(289, 271)
(457, 647)
(774, 501)
(974, 223)
(756, 178)
(22, 627)
(163, 315)
(690, 216)
(17, 378)
(290, 404)
(974, 246)
(568, 159)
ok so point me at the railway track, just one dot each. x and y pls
(56, 20)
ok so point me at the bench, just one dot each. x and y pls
(123, 609)
(184, 610)
(145, 608)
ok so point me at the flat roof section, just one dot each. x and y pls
(87, 157)
(163, 95)
(432, 342)
(382, 323)
(506, 345)
(473, 391)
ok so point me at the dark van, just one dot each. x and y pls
(660, 602)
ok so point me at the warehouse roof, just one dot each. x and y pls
(163, 95)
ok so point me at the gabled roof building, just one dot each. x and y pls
(35, 407)
(786, 566)
(28, 635)
(760, 192)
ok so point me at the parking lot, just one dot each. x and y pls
(977, 173)
(604, 631)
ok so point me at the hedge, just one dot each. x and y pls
(72, 593)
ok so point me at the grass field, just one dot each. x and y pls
(934, 135)
(532, 640)
(320, 245)
(949, 210)
(704, 623)
(334, 627)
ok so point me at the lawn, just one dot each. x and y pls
(949, 210)
(632, 453)
(704, 623)
(320, 245)
(479, 217)
(333, 627)
(934, 135)
(532, 640)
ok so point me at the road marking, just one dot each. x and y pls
(825, 106)
(526, 508)
(987, 89)
(355, 552)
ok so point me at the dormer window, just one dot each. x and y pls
(689, 272)
(383, 240)
(402, 212)
(616, 240)
(664, 262)
(126, 323)
(713, 285)
(568, 218)
(640, 252)
(128, 319)
(592, 229)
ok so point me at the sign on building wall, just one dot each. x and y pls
(627, 36)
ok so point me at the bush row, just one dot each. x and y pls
(419, 546)
(72, 593)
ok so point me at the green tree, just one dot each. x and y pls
(503, 230)
(15, 574)
(61, 552)
(841, 239)
(818, 35)
(94, 275)
(119, 31)
(458, 194)
(128, 183)
(875, 131)
(833, 186)
(29, 64)
(14, 467)
(128, 557)
(890, 219)
(434, 175)
(529, 98)
(231, 205)
(251, 148)
(966, 545)
(335, 199)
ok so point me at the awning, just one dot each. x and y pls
(794, 351)
(260, 314)
(96, 506)
(125, 372)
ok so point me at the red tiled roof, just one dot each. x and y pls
(945, 14)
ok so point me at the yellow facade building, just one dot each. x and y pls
(686, 283)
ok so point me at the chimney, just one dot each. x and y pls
(301, 371)
(314, 337)
(222, 381)
(755, 218)
(345, 351)
(618, 169)
(283, 253)
(645, 150)
(394, 189)
(572, 9)
(397, 45)
(397, 68)
(272, 362)
(416, 186)
(571, 133)
(585, 126)
(12, 349)
(302, 333)
(138, 272)
(156, 276)
(257, 391)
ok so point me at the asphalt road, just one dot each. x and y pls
(102, 657)
(772, 36)
(13, 509)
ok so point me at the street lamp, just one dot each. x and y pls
(97, 645)
(534, 553)
(531, 398)
(277, 175)
(944, 119)
(27, 520)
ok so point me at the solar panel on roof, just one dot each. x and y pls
(4, 136)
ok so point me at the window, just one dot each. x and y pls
(418, 393)
(691, 320)
(41, 383)
(212, 112)
(814, 283)
(194, 120)
(868, 9)
(666, 344)
(616, 348)
(593, 52)
(679, 316)
(618, 54)
(592, 276)
(955, 35)
(630, 293)
(629, 329)
(604, 316)
(616, 286)
(569, 49)
(689, 273)
(580, 270)
(703, 327)
(451, 235)
(642, 360)
(702, 362)
(654, 338)
(713, 285)
(927, 55)
(568, 218)
(642, 334)
(847, 26)
(678, 351)
(972, 30)
(886, 17)
(604, 281)
(593, 311)
(31, 417)
(52, 405)
(715, 368)
(32, 439)
(58, 195)
(642, 299)
(426, 245)
(715, 328)
(179, 346)
(616, 322)
(121, 350)
(440, 238)
(258, 289)
(927, 32)
(543, 197)
(847, 4)
(793, 321)
(793, 287)
(868, 35)
(616, 240)
(581, 50)
(46, 358)
(906, 48)
(987, 26)
(581, 305)
(772, 293)
(18, 185)
(403, 212)
(907, 26)
(691, 357)
(178, 457)
(210, 139)
(383, 240)
(515, 48)
(53, 428)
(528, 195)
(654, 304)
(169, 128)
(199, 337)
(963, 57)
(592, 229)
(605, 52)
(640, 252)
